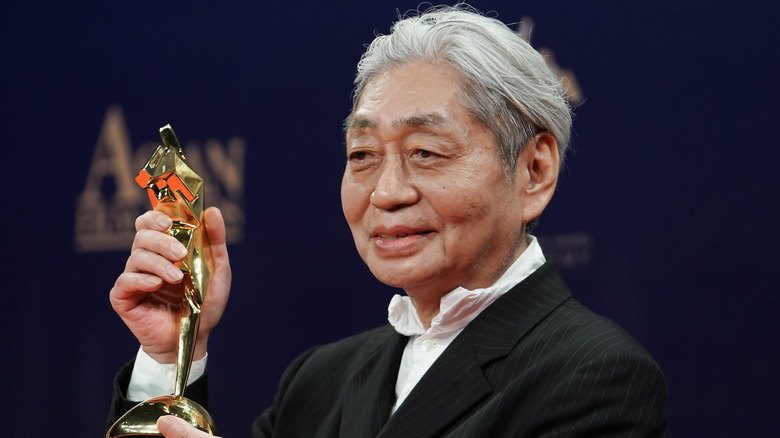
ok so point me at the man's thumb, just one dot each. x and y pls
(174, 427)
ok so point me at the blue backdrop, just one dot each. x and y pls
(664, 218)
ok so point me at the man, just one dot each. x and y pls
(453, 146)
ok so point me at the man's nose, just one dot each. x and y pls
(394, 187)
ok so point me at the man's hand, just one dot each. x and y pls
(148, 294)
(174, 427)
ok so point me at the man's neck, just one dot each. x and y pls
(427, 300)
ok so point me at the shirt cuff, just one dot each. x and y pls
(152, 379)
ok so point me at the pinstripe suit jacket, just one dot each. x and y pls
(535, 363)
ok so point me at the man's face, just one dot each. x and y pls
(424, 191)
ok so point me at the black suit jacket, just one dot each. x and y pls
(535, 363)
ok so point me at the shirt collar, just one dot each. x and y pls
(460, 306)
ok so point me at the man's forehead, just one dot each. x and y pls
(416, 94)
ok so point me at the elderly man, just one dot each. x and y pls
(453, 145)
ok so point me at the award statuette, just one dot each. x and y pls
(176, 190)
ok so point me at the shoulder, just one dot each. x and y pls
(540, 320)
(355, 347)
(324, 370)
(542, 307)
(574, 326)
(574, 342)
(584, 374)
(337, 359)
(587, 363)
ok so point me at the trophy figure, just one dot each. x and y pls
(176, 190)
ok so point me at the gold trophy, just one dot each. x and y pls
(176, 190)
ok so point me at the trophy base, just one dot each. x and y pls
(141, 420)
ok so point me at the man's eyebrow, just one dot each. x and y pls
(414, 120)
(359, 123)
(420, 120)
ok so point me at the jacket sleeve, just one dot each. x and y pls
(265, 424)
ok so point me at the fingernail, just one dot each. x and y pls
(178, 250)
(176, 273)
(150, 281)
(163, 221)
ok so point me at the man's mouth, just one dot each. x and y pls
(399, 236)
(393, 237)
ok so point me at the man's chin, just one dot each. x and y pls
(409, 278)
(400, 278)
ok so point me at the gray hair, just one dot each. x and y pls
(507, 85)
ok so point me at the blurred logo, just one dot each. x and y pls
(570, 85)
(572, 251)
(111, 200)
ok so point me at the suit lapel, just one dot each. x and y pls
(371, 390)
(456, 382)
(452, 384)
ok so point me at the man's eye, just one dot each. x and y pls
(422, 153)
(357, 156)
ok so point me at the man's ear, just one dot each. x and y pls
(538, 174)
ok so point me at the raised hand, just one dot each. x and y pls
(147, 295)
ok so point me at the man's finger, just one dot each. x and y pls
(174, 427)
(153, 220)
